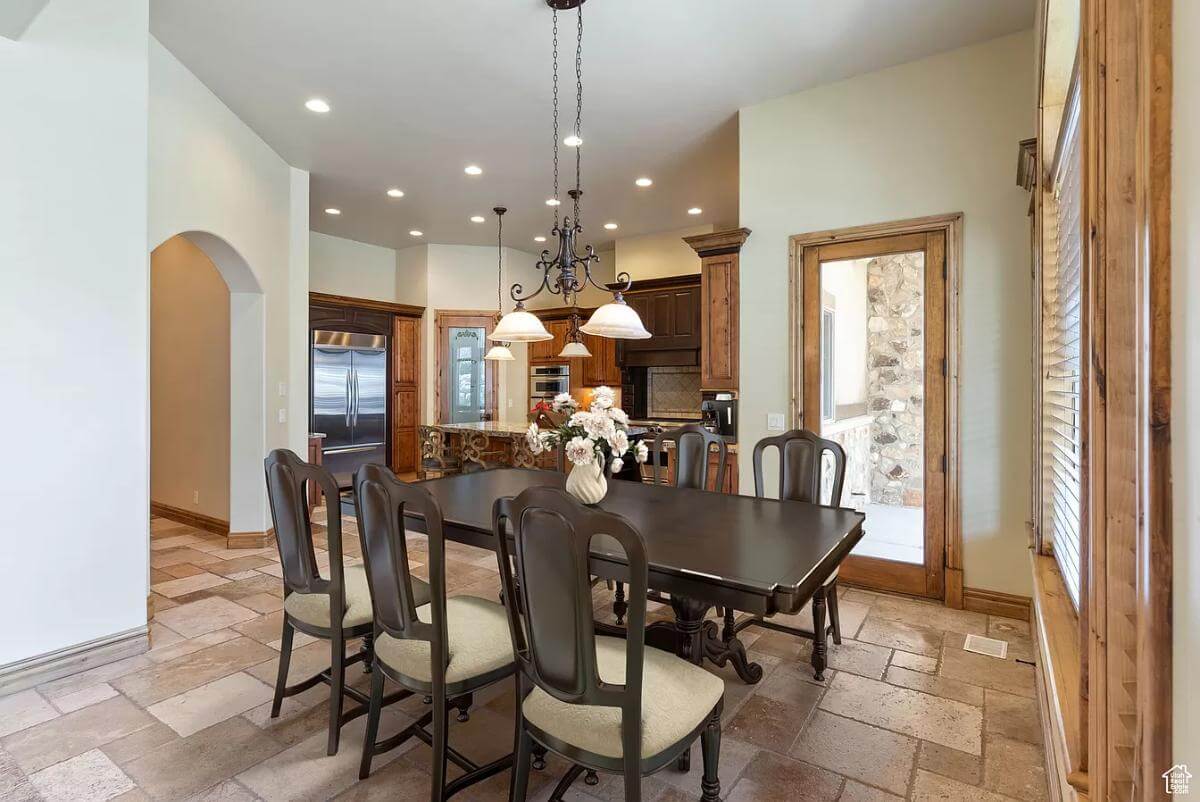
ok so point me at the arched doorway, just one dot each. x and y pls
(206, 418)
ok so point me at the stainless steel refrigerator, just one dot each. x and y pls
(349, 400)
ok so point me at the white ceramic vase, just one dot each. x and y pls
(588, 483)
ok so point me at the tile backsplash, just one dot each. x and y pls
(673, 392)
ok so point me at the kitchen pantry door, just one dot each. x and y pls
(873, 363)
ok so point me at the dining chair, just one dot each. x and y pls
(801, 463)
(692, 444)
(605, 704)
(443, 648)
(308, 597)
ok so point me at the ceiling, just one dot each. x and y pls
(421, 88)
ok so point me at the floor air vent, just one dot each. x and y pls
(989, 646)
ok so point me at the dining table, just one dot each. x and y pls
(703, 550)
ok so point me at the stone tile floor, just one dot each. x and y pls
(904, 712)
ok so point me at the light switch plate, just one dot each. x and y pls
(282, 389)
(283, 416)
(775, 421)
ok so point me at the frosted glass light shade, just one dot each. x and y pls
(519, 326)
(616, 320)
(571, 350)
(499, 353)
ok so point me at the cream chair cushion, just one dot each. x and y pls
(479, 642)
(676, 697)
(313, 608)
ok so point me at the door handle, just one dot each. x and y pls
(349, 401)
(356, 398)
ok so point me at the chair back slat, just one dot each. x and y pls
(692, 444)
(801, 454)
(382, 501)
(287, 491)
(545, 569)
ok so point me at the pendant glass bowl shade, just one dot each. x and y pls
(499, 353)
(572, 350)
(519, 326)
(616, 320)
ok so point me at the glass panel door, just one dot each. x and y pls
(873, 395)
(465, 378)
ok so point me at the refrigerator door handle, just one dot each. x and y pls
(354, 413)
(349, 402)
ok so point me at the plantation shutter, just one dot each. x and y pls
(1062, 368)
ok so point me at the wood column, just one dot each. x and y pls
(720, 311)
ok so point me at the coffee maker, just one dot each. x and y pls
(719, 411)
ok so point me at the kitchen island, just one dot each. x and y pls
(485, 444)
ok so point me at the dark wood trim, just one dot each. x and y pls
(993, 602)
(661, 283)
(326, 299)
(218, 526)
(564, 312)
(718, 242)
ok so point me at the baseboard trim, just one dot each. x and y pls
(250, 540)
(73, 659)
(993, 602)
(206, 522)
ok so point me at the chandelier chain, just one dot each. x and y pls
(555, 195)
(578, 107)
(499, 261)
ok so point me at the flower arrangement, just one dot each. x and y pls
(597, 436)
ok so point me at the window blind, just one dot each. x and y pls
(1062, 368)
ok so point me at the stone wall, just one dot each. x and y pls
(895, 378)
(854, 436)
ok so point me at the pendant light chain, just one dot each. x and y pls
(499, 260)
(578, 109)
(555, 195)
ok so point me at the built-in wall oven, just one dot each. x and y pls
(547, 381)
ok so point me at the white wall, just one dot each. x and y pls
(346, 267)
(929, 137)
(659, 255)
(846, 281)
(75, 270)
(1185, 380)
(210, 173)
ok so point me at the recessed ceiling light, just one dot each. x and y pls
(539, 238)
(611, 226)
(553, 202)
(644, 182)
(318, 105)
(695, 210)
(395, 193)
(473, 169)
(416, 233)
(572, 141)
(477, 219)
(333, 211)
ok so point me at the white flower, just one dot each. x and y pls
(598, 426)
(533, 439)
(581, 451)
(618, 415)
(619, 442)
(617, 465)
(603, 397)
(641, 452)
(563, 402)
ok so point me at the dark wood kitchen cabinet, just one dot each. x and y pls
(548, 350)
(719, 257)
(601, 367)
(671, 313)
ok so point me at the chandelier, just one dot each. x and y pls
(500, 351)
(567, 273)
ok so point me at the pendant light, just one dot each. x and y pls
(571, 271)
(574, 349)
(499, 352)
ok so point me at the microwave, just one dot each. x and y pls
(547, 381)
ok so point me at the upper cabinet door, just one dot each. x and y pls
(719, 352)
(405, 350)
(672, 316)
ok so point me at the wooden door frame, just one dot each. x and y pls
(478, 318)
(944, 581)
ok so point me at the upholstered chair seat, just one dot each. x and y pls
(313, 608)
(479, 643)
(677, 697)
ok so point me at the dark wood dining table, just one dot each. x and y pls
(704, 549)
